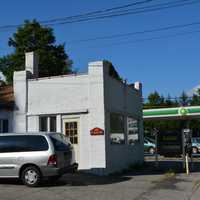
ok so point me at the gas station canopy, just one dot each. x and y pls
(179, 113)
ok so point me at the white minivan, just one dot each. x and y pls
(35, 156)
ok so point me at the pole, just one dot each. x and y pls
(156, 152)
(187, 164)
(183, 149)
(192, 164)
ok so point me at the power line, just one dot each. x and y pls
(149, 39)
(139, 10)
(80, 16)
(170, 98)
(111, 12)
(137, 32)
(94, 13)
(156, 37)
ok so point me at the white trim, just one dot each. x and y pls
(67, 112)
(48, 123)
(160, 116)
(59, 76)
(176, 115)
(175, 108)
(76, 146)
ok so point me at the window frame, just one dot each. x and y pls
(2, 128)
(132, 129)
(48, 123)
(73, 137)
(124, 132)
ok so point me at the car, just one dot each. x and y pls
(33, 157)
(195, 145)
(149, 145)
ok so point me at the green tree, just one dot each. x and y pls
(168, 101)
(34, 37)
(196, 98)
(154, 99)
(184, 100)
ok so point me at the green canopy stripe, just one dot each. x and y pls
(178, 111)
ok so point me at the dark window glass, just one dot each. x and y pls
(43, 124)
(52, 124)
(60, 145)
(117, 133)
(23, 143)
(1, 126)
(5, 126)
(116, 123)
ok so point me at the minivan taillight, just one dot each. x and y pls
(52, 160)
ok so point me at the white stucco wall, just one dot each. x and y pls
(121, 98)
(20, 95)
(79, 96)
(90, 98)
(55, 95)
(97, 71)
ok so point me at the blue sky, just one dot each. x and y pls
(168, 65)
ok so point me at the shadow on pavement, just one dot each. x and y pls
(149, 168)
(7, 181)
(84, 179)
(78, 179)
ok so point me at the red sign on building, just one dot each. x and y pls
(96, 131)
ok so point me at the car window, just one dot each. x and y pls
(151, 140)
(145, 141)
(194, 140)
(60, 144)
(23, 143)
(198, 140)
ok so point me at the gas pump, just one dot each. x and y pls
(187, 148)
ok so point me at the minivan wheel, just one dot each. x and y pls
(31, 176)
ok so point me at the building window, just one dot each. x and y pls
(132, 130)
(47, 123)
(117, 133)
(4, 126)
(71, 131)
(52, 124)
(43, 124)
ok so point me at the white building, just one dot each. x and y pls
(101, 115)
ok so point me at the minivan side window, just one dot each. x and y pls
(23, 143)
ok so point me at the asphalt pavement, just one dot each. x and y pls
(148, 183)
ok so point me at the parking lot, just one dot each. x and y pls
(140, 184)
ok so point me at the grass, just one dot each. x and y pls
(170, 173)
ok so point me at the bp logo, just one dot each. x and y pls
(183, 111)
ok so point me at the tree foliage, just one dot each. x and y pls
(34, 37)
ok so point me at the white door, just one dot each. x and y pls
(71, 130)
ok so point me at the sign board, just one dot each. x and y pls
(169, 143)
(96, 131)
